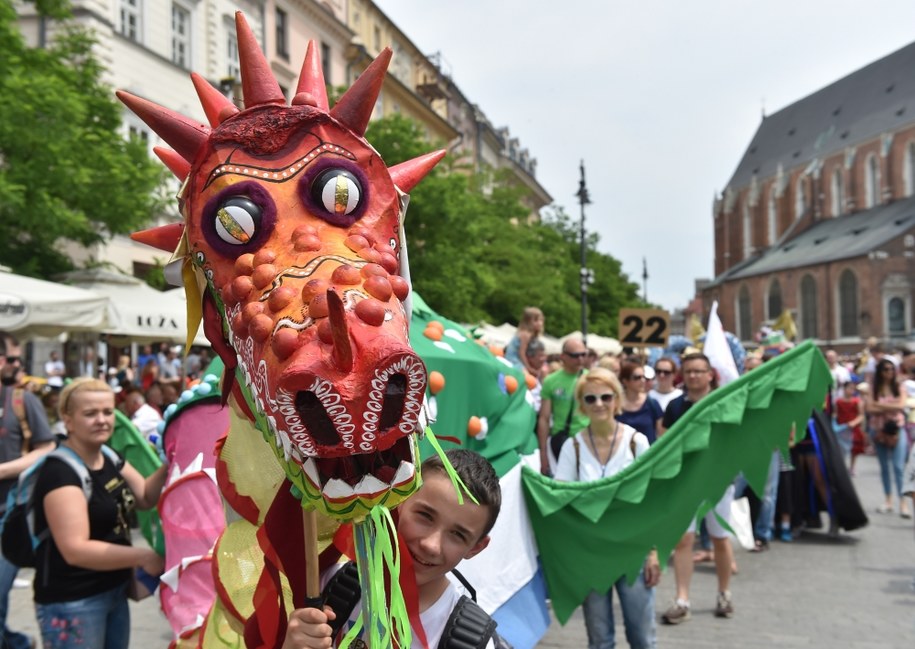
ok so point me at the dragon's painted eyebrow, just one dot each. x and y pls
(279, 174)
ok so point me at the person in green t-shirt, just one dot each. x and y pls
(558, 400)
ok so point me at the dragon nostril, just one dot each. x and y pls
(395, 393)
(319, 424)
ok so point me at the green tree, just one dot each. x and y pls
(474, 256)
(65, 171)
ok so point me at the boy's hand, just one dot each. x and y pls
(308, 628)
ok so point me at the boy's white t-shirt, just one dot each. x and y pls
(433, 619)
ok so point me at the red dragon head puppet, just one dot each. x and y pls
(293, 241)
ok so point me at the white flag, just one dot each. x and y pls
(717, 349)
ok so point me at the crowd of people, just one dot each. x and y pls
(597, 414)
(85, 569)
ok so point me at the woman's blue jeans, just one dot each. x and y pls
(893, 458)
(101, 622)
(637, 603)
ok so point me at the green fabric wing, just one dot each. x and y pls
(475, 385)
(590, 534)
(133, 447)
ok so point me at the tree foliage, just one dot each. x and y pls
(66, 173)
(474, 255)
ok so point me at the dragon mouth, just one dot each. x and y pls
(363, 476)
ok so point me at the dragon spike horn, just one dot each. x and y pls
(407, 174)
(175, 163)
(184, 135)
(343, 350)
(258, 84)
(356, 105)
(163, 237)
(311, 89)
(215, 104)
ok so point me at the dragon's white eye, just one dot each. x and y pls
(237, 220)
(338, 191)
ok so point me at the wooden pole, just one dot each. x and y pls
(312, 570)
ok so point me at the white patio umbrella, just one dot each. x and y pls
(34, 307)
(136, 310)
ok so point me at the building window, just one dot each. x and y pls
(325, 63)
(800, 198)
(181, 36)
(747, 233)
(896, 316)
(909, 169)
(808, 307)
(233, 71)
(774, 301)
(744, 316)
(282, 34)
(376, 41)
(837, 192)
(871, 181)
(848, 304)
(772, 221)
(131, 12)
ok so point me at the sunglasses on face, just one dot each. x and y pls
(575, 354)
(663, 372)
(637, 377)
(13, 359)
(591, 399)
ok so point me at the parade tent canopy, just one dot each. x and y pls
(34, 307)
(600, 344)
(500, 336)
(137, 311)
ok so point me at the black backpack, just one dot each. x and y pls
(17, 530)
(468, 627)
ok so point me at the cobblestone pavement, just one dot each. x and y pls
(855, 592)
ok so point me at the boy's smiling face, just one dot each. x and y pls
(438, 531)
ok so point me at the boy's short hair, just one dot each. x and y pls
(478, 476)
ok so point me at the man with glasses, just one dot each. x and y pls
(24, 437)
(699, 380)
(559, 415)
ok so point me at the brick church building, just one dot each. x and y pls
(819, 217)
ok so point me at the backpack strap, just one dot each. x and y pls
(75, 462)
(342, 593)
(468, 627)
(577, 448)
(18, 402)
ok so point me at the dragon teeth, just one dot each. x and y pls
(405, 472)
(338, 489)
(311, 471)
(370, 485)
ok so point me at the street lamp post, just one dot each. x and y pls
(585, 274)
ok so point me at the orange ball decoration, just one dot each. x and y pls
(432, 333)
(474, 426)
(511, 383)
(496, 351)
(436, 382)
(531, 381)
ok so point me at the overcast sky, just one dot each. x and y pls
(660, 99)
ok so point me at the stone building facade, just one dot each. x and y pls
(819, 217)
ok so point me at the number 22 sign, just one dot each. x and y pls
(644, 327)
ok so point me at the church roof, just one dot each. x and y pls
(832, 239)
(878, 98)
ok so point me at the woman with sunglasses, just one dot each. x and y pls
(885, 406)
(637, 408)
(84, 567)
(665, 373)
(603, 449)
